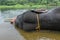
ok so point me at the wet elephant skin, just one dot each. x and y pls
(48, 21)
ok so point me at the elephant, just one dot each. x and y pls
(49, 20)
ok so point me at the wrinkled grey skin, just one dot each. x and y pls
(48, 21)
(51, 20)
(27, 21)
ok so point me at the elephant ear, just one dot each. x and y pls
(39, 11)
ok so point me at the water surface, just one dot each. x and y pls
(10, 32)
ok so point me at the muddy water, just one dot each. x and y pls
(40, 35)
(9, 32)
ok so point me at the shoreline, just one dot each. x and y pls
(2, 7)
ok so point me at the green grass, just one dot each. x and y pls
(21, 6)
(24, 7)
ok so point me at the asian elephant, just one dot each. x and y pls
(49, 20)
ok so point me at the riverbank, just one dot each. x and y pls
(20, 6)
(23, 6)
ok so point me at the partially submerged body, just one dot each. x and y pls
(48, 21)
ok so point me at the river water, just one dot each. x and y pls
(9, 32)
(7, 14)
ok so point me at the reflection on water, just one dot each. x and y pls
(42, 35)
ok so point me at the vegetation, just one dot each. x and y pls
(23, 4)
